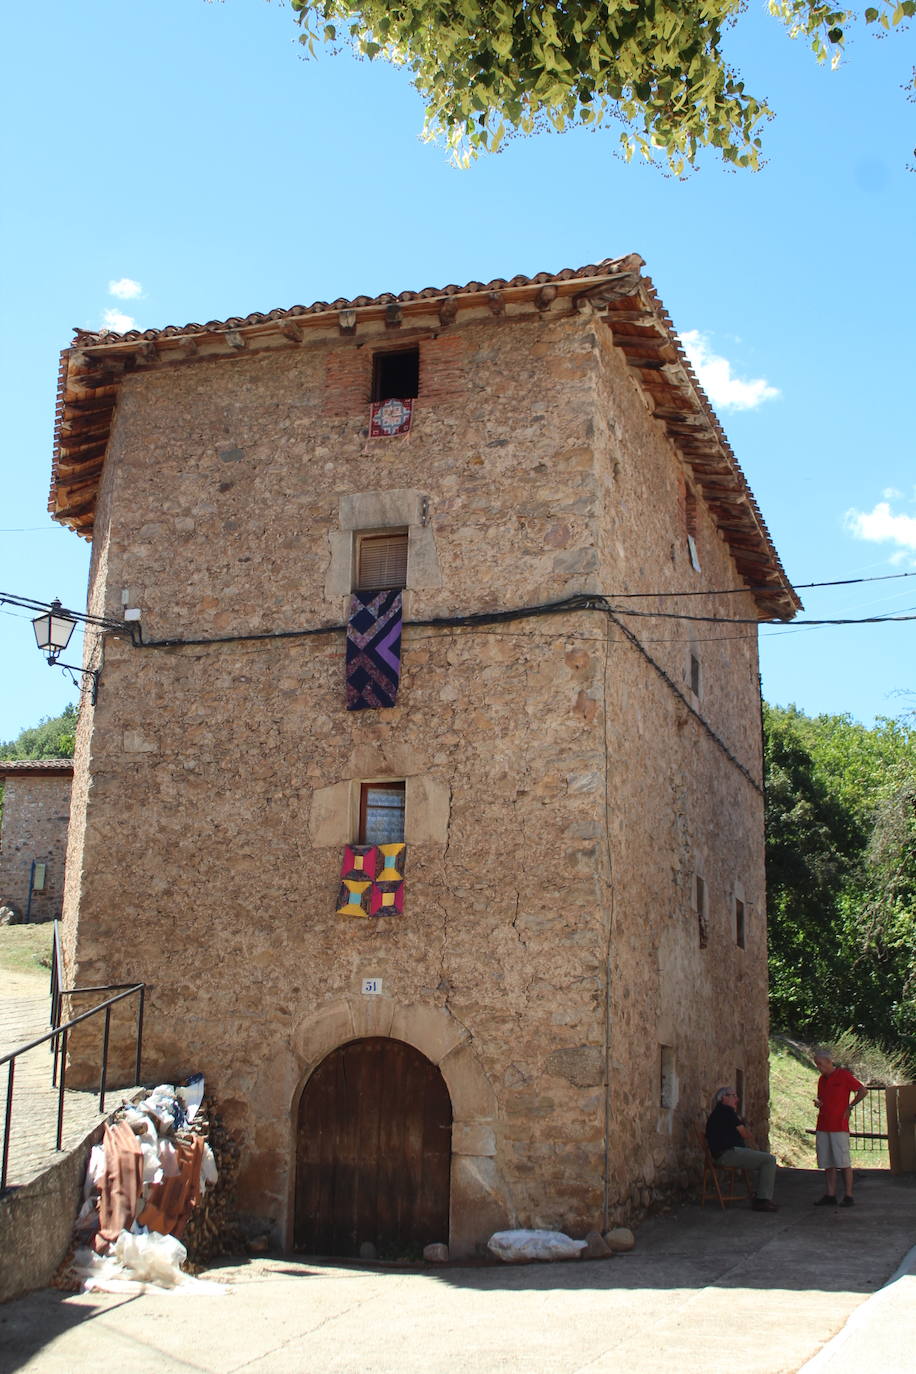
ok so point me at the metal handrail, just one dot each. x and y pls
(57, 1037)
(57, 974)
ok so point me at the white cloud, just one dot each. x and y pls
(115, 319)
(882, 526)
(125, 288)
(715, 376)
(892, 494)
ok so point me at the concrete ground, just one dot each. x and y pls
(705, 1292)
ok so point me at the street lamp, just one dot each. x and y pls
(52, 635)
(53, 631)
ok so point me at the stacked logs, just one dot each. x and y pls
(213, 1228)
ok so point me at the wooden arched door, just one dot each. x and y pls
(373, 1152)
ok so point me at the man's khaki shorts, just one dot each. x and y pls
(832, 1149)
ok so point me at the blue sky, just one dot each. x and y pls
(186, 155)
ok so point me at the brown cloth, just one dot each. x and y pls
(121, 1183)
(171, 1203)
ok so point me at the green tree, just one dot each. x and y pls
(486, 67)
(52, 738)
(841, 874)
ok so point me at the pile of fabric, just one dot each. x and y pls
(144, 1183)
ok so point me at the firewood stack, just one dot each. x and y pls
(213, 1229)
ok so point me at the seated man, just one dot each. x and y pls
(731, 1143)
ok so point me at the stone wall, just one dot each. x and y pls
(565, 797)
(36, 811)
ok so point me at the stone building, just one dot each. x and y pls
(33, 841)
(527, 1029)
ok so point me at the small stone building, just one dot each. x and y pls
(33, 841)
(477, 954)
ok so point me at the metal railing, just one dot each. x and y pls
(57, 1039)
(868, 1121)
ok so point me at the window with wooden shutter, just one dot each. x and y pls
(381, 560)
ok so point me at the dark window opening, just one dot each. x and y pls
(396, 376)
(381, 560)
(695, 675)
(739, 923)
(381, 812)
(702, 922)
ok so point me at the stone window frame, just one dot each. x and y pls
(668, 1079)
(365, 512)
(334, 812)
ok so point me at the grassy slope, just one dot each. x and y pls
(26, 949)
(792, 1087)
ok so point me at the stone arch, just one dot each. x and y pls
(479, 1199)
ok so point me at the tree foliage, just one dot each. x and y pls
(487, 67)
(52, 738)
(841, 874)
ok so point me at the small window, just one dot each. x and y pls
(702, 922)
(39, 877)
(667, 1079)
(739, 923)
(381, 560)
(381, 812)
(690, 522)
(396, 375)
(694, 674)
(739, 1089)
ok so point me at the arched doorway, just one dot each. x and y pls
(373, 1151)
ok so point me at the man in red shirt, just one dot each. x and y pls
(834, 1088)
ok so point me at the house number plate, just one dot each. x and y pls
(372, 987)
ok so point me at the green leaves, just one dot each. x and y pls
(482, 66)
(841, 873)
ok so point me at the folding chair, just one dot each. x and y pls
(722, 1173)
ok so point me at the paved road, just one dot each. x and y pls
(705, 1292)
(24, 1016)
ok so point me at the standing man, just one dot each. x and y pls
(731, 1143)
(834, 1088)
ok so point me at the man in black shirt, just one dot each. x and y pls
(731, 1143)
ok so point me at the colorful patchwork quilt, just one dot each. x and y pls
(373, 649)
(372, 880)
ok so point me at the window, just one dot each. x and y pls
(396, 375)
(694, 674)
(39, 876)
(381, 812)
(739, 923)
(381, 560)
(690, 520)
(701, 911)
(739, 1089)
(667, 1097)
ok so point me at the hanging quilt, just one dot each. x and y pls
(372, 880)
(373, 649)
(390, 418)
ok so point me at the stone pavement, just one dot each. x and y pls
(24, 1016)
(705, 1292)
